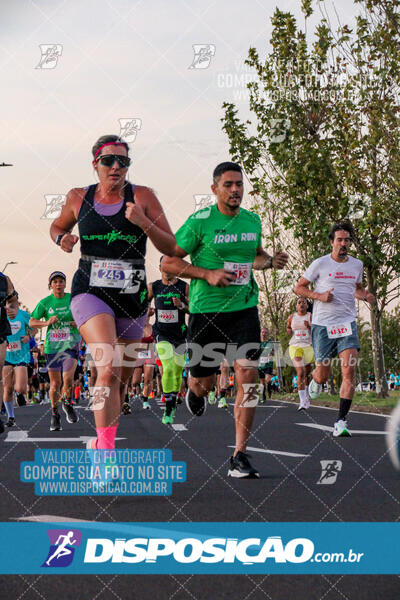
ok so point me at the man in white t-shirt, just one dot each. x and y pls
(337, 279)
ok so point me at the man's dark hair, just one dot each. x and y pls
(106, 139)
(342, 226)
(223, 168)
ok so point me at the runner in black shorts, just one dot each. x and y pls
(266, 362)
(170, 300)
(224, 243)
(42, 374)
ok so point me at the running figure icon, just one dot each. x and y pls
(62, 549)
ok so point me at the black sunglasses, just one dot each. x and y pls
(109, 159)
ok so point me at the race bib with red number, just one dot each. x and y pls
(167, 316)
(242, 272)
(60, 335)
(14, 346)
(301, 335)
(339, 331)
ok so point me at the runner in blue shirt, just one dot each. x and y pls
(15, 370)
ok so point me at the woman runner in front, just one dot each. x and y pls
(109, 292)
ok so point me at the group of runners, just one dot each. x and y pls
(111, 304)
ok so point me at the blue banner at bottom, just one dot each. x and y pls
(200, 548)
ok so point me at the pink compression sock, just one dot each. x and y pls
(106, 437)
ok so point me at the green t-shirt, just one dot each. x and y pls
(215, 241)
(60, 336)
(266, 358)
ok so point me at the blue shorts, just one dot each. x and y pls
(62, 361)
(325, 348)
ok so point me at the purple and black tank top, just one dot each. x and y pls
(112, 263)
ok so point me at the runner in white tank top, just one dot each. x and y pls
(300, 349)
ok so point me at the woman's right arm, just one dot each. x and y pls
(68, 218)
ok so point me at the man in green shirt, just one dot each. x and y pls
(224, 244)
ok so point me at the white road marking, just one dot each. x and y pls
(261, 405)
(50, 519)
(293, 454)
(179, 427)
(354, 412)
(327, 428)
(22, 436)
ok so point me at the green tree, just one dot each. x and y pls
(390, 340)
(324, 140)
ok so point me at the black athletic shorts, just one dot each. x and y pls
(78, 372)
(20, 364)
(234, 334)
(30, 370)
(43, 377)
(265, 371)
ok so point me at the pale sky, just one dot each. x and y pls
(119, 59)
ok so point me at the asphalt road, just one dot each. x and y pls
(286, 446)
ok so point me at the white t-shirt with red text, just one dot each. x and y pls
(343, 277)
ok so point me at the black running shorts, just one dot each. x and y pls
(212, 336)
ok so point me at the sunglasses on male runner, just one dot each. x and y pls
(109, 159)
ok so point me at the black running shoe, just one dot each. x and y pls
(10, 422)
(1, 426)
(70, 413)
(21, 400)
(240, 467)
(55, 422)
(196, 406)
(126, 409)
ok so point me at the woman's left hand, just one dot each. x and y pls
(136, 215)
